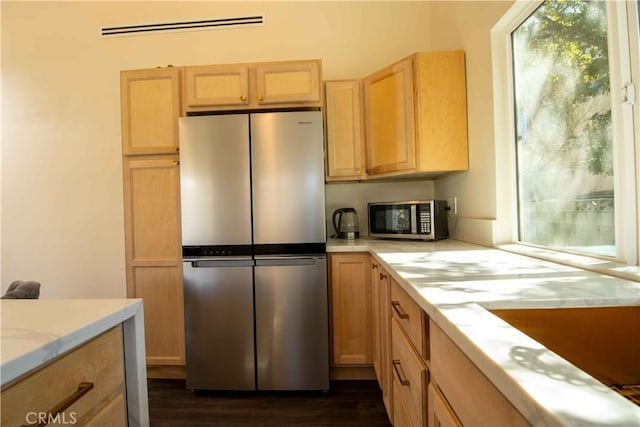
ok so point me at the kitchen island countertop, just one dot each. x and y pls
(36, 332)
(457, 283)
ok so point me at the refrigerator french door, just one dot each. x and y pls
(252, 188)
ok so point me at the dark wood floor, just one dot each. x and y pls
(348, 403)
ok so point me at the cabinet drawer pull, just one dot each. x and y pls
(398, 309)
(83, 388)
(374, 266)
(176, 149)
(397, 367)
(176, 162)
(383, 276)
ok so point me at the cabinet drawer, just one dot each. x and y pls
(401, 415)
(99, 363)
(410, 317)
(410, 375)
(440, 414)
(473, 398)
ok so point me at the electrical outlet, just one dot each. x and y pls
(452, 204)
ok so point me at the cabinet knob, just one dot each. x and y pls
(383, 276)
(176, 162)
(243, 98)
(358, 171)
(260, 97)
(177, 149)
(374, 266)
(367, 170)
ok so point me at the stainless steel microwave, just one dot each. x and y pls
(421, 219)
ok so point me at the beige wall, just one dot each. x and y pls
(62, 211)
(466, 25)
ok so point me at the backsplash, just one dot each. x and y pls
(357, 195)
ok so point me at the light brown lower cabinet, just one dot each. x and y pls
(410, 379)
(351, 309)
(401, 414)
(154, 252)
(93, 373)
(473, 399)
(440, 413)
(380, 282)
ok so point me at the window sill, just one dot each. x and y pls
(598, 265)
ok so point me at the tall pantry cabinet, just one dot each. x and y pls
(150, 110)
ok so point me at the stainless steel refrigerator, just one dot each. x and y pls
(254, 249)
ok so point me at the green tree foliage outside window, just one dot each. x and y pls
(563, 124)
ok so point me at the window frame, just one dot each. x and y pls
(623, 58)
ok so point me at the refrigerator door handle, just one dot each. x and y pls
(288, 261)
(216, 263)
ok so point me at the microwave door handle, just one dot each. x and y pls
(414, 220)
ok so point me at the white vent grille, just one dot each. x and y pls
(208, 24)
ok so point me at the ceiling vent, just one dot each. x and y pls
(131, 30)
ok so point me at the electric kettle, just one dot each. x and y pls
(345, 222)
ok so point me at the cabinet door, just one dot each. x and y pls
(150, 109)
(152, 210)
(288, 82)
(382, 338)
(344, 128)
(375, 314)
(154, 253)
(161, 290)
(216, 85)
(389, 119)
(351, 309)
(441, 111)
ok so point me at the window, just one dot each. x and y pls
(566, 145)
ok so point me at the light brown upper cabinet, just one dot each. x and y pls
(253, 86)
(216, 86)
(415, 116)
(150, 101)
(344, 130)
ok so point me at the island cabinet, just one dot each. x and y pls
(460, 394)
(351, 310)
(409, 350)
(415, 116)
(381, 288)
(253, 86)
(86, 386)
(345, 160)
(151, 102)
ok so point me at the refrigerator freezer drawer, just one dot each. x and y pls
(219, 325)
(292, 337)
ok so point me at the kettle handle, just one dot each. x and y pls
(336, 226)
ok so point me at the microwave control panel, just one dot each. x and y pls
(425, 220)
